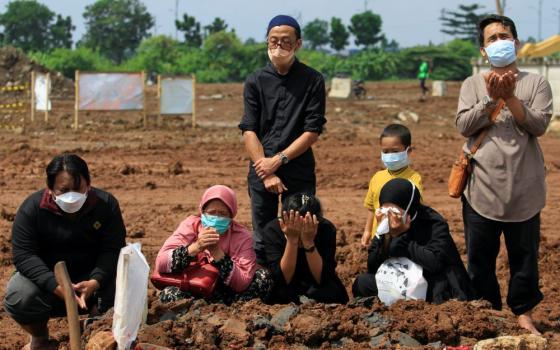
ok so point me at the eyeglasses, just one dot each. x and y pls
(285, 43)
(224, 214)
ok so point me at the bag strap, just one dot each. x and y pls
(483, 133)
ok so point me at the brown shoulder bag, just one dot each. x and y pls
(461, 169)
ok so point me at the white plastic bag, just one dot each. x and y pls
(400, 278)
(131, 294)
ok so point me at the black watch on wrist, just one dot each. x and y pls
(310, 249)
(283, 158)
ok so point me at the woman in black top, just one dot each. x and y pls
(300, 251)
(423, 237)
(67, 221)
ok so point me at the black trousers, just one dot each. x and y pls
(482, 237)
(264, 208)
(423, 86)
(364, 285)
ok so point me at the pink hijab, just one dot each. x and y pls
(223, 193)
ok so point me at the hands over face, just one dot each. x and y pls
(309, 229)
(395, 219)
(396, 225)
(291, 223)
(297, 227)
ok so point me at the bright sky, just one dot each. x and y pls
(409, 22)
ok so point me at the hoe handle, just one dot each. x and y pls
(63, 279)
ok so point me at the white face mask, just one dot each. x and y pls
(279, 56)
(70, 202)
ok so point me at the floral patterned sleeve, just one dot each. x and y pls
(224, 266)
(180, 259)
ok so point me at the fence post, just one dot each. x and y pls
(47, 88)
(144, 116)
(194, 101)
(32, 96)
(159, 99)
(76, 98)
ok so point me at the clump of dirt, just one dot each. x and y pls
(16, 68)
(363, 323)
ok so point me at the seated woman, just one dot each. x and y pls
(68, 221)
(300, 251)
(227, 244)
(420, 234)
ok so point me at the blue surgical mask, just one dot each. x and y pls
(219, 223)
(395, 161)
(501, 53)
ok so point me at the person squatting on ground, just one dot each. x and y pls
(396, 148)
(300, 250)
(420, 234)
(506, 190)
(284, 113)
(68, 221)
(227, 244)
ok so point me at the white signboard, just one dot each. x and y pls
(340, 87)
(176, 96)
(42, 92)
(111, 91)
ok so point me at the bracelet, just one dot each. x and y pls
(310, 249)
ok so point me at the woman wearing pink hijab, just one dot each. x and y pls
(227, 244)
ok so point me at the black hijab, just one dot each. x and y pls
(403, 193)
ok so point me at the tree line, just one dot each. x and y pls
(118, 37)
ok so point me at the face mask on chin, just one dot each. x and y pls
(279, 56)
(70, 202)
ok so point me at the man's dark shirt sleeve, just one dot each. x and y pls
(315, 111)
(251, 104)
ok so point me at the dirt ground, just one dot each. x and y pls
(158, 174)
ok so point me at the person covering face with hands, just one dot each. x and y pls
(284, 113)
(300, 250)
(506, 190)
(417, 232)
(68, 221)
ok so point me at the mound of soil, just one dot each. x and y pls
(16, 68)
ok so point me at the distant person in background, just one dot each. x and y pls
(68, 221)
(284, 113)
(424, 71)
(507, 189)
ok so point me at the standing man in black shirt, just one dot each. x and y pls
(284, 115)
